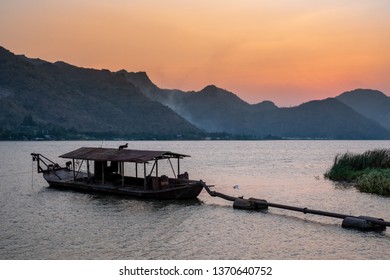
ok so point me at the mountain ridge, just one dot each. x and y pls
(373, 104)
(84, 100)
(38, 95)
(246, 117)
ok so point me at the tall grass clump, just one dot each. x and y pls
(375, 181)
(370, 171)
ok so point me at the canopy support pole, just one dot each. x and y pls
(74, 171)
(89, 174)
(103, 171)
(145, 183)
(173, 170)
(122, 164)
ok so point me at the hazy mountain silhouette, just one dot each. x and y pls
(372, 104)
(216, 110)
(328, 119)
(83, 100)
(37, 96)
(265, 106)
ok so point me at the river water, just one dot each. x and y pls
(37, 222)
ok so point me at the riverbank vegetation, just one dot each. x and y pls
(369, 171)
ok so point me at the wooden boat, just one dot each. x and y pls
(108, 176)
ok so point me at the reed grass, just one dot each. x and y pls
(370, 171)
(375, 181)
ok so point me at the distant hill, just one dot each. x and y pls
(216, 110)
(372, 104)
(58, 96)
(322, 119)
(212, 109)
(265, 106)
(46, 100)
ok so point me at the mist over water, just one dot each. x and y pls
(41, 223)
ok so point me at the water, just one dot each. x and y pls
(40, 223)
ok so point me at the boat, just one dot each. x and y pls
(106, 170)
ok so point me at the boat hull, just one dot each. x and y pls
(63, 179)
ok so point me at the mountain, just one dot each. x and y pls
(211, 109)
(217, 110)
(39, 99)
(59, 96)
(372, 104)
(321, 119)
(265, 106)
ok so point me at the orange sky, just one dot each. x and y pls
(285, 51)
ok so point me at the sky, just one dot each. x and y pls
(288, 52)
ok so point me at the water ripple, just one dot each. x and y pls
(40, 223)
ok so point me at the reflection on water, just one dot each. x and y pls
(41, 223)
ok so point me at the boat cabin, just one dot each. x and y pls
(109, 166)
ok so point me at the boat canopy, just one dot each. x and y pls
(124, 155)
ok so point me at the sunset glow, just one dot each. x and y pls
(285, 51)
